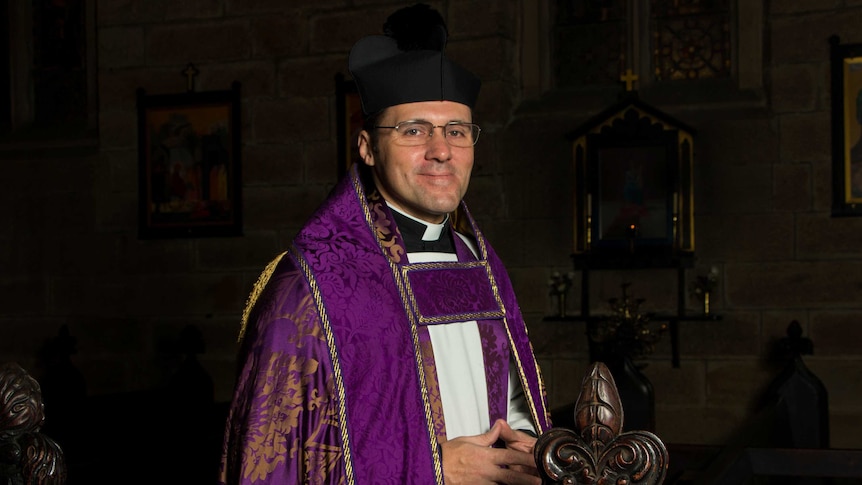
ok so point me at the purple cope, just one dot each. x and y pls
(337, 382)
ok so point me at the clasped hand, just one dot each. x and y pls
(472, 459)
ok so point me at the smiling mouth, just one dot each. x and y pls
(437, 174)
(439, 177)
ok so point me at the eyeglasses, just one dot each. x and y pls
(417, 132)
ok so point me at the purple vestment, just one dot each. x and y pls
(338, 383)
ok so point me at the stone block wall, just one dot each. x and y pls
(763, 191)
(69, 250)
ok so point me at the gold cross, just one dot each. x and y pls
(629, 78)
(191, 73)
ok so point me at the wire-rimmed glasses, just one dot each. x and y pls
(418, 132)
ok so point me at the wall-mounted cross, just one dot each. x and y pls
(629, 78)
(191, 73)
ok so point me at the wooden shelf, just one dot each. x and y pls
(677, 261)
(672, 319)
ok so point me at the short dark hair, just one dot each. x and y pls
(368, 125)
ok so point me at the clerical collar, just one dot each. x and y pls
(421, 236)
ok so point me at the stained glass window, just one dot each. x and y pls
(686, 39)
(691, 39)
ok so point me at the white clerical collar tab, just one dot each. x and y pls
(432, 231)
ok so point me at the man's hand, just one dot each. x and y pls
(472, 460)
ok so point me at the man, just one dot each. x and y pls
(386, 344)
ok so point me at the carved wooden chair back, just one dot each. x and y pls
(27, 457)
(597, 451)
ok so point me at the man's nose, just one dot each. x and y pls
(438, 146)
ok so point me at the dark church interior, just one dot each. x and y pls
(675, 187)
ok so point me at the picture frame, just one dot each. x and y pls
(633, 188)
(189, 148)
(350, 118)
(846, 84)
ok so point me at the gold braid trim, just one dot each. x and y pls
(336, 364)
(528, 394)
(262, 280)
(406, 294)
(531, 401)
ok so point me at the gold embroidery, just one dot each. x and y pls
(433, 390)
(464, 224)
(382, 227)
(336, 366)
(278, 415)
(319, 461)
(259, 285)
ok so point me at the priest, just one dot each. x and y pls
(385, 345)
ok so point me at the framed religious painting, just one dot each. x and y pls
(350, 118)
(633, 187)
(846, 72)
(189, 148)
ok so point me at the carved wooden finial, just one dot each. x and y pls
(28, 455)
(596, 452)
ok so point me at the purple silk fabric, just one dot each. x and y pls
(446, 293)
(334, 386)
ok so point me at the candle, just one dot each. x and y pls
(589, 205)
(675, 203)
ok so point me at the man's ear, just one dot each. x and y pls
(366, 150)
